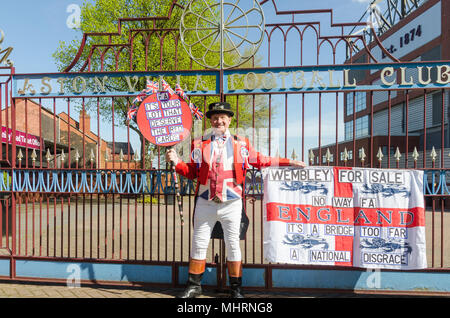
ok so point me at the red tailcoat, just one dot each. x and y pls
(244, 156)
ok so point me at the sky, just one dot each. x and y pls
(34, 29)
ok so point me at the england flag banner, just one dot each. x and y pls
(360, 217)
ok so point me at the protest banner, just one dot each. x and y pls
(360, 217)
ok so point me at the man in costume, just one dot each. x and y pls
(219, 161)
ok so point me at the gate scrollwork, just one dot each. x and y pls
(4, 54)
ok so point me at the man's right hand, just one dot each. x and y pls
(171, 156)
(297, 164)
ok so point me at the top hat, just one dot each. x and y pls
(219, 108)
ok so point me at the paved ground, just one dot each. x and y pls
(47, 290)
(39, 290)
(40, 298)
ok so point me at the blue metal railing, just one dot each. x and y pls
(92, 181)
(148, 181)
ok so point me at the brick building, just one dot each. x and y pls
(53, 133)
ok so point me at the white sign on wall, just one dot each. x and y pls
(412, 36)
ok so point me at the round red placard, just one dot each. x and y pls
(164, 119)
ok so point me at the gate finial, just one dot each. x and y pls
(92, 155)
(33, 156)
(345, 154)
(293, 155)
(415, 154)
(328, 155)
(48, 156)
(20, 155)
(362, 155)
(397, 154)
(311, 157)
(433, 154)
(380, 154)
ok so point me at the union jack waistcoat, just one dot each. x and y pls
(244, 156)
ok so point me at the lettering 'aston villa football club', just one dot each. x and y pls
(311, 79)
(359, 217)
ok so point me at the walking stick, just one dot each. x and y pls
(177, 189)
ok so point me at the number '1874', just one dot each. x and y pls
(411, 35)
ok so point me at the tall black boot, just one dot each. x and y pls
(193, 288)
(235, 284)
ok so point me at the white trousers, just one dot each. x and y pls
(207, 213)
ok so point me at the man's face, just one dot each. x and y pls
(220, 123)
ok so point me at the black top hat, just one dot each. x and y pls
(219, 108)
